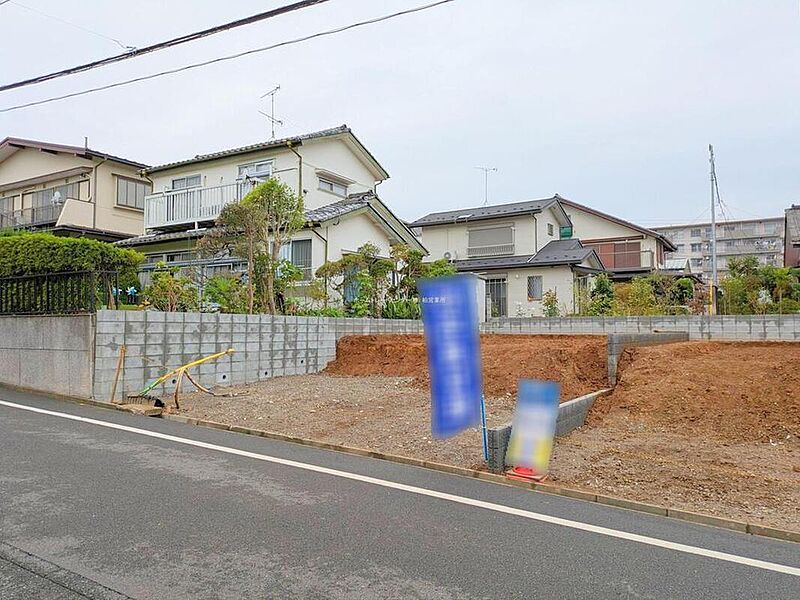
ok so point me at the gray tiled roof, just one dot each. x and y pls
(254, 147)
(484, 212)
(557, 252)
(330, 211)
(153, 238)
(561, 252)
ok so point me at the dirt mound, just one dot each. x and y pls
(731, 391)
(578, 363)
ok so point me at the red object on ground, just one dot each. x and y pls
(524, 474)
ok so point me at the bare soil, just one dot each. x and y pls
(385, 414)
(706, 427)
(577, 363)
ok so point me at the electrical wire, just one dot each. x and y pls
(125, 47)
(226, 58)
(190, 37)
(4, 2)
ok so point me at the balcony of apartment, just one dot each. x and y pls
(174, 209)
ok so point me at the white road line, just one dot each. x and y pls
(623, 535)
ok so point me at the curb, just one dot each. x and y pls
(547, 488)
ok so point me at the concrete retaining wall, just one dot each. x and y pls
(698, 327)
(265, 346)
(48, 353)
(571, 415)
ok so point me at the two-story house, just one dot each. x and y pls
(626, 249)
(70, 190)
(522, 250)
(338, 177)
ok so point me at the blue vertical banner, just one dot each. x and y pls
(452, 339)
(534, 425)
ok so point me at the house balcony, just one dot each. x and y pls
(177, 208)
(39, 216)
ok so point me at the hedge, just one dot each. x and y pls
(39, 253)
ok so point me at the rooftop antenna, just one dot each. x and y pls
(486, 171)
(271, 116)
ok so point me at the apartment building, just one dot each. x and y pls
(762, 238)
(338, 177)
(70, 190)
(791, 252)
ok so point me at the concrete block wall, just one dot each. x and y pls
(571, 415)
(264, 346)
(52, 353)
(698, 327)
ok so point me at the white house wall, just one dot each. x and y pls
(587, 226)
(528, 234)
(559, 279)
(328, 154)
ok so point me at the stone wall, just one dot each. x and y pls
(48, 353)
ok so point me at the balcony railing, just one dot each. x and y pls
(493, 250)
(195, 205)
(37, 216)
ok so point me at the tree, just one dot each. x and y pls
(255, 229)
(170, 291)
(236, 233)
(550, 304)
(411, 269)
(601, 296)
(636, 298)
(361, 278)
(281, 216)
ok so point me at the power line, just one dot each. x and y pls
(125, 47)
(226, 58)
(189, 37)
(4, 2)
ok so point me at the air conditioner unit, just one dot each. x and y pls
(450, 256)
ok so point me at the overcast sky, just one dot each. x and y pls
(610, 103)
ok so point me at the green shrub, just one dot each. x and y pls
(38, 253)
(402, 308)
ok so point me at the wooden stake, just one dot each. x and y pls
(120, 364)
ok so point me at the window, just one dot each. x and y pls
(550, 229)
(490, 241)
(261, 169)
(697, 262)
(183, 183)
(180, 257)
(696, 232)
(697, 247)
(333, 187)
(534, 287)
(131, 193)
(298, 252)
(54, 195)
(680, 248)
(7, 204)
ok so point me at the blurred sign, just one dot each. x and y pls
(449, 313)
(534, 425)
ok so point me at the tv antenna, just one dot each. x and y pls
(486, 171)
(271, 116)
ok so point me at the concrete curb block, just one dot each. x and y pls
(547, 488)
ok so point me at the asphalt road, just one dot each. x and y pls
(92, 511)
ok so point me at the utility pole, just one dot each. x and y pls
(713, 175)
(486, 171)
(271, 116)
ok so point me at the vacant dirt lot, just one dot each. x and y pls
(708, 427)
(387, 414)
(578, 363)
